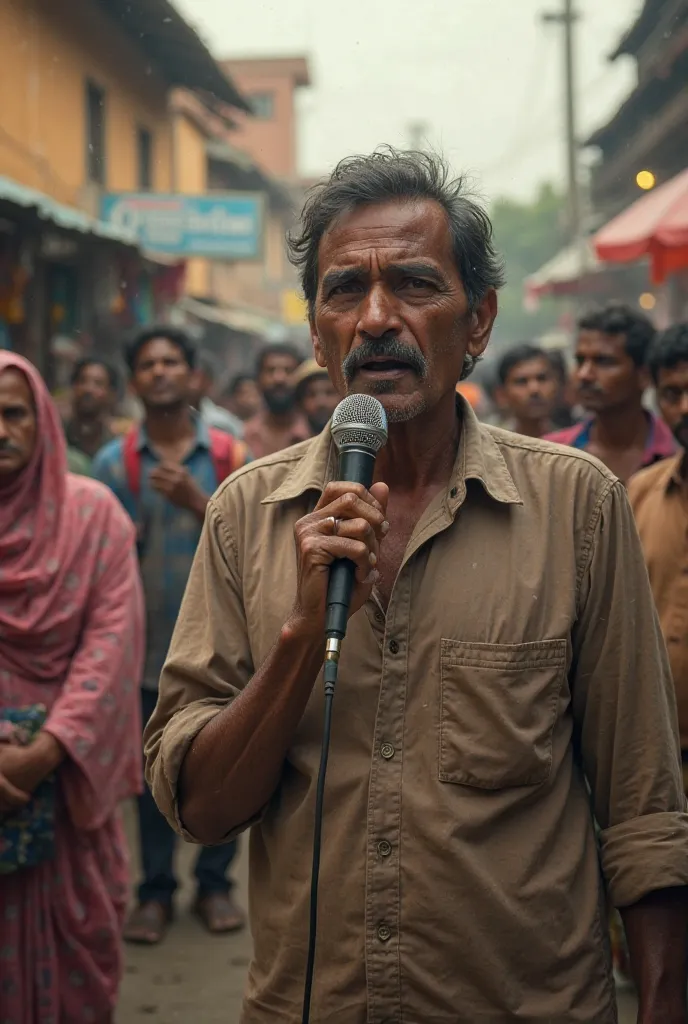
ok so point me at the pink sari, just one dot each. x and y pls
(70, 638)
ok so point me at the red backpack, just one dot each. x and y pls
(228, 454)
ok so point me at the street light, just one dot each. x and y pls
(645, 180)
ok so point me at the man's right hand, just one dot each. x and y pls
(361, 527)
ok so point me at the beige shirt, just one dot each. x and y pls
(658, 498)
(520, 652)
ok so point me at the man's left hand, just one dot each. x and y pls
(178, 486)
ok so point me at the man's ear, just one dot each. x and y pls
(481, 324)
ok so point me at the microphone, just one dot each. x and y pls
(359, 429)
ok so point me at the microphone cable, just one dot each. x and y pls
(330, 676)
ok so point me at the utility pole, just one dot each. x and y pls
(567, 18)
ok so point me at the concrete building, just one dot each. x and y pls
(649, 131)
(84, 86)
(270, 85)
(244, 302)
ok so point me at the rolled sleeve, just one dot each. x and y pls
(208, 664)
(624, 710)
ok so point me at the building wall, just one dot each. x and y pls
(271, 142)
(48, 50)
(190, 177)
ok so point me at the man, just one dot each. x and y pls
(611, 378)
(163, 474)
(659, 497)
(477, 695)
(278, 423)
(528, 390)
(95, 385)
(242, 397)
(315, 395)
(201, 389)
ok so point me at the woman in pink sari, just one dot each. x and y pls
(71, 640)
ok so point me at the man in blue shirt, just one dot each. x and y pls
(163, 474)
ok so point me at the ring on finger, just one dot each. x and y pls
(335, 524)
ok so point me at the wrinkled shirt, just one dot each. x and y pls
(658, 499)
(520, 655)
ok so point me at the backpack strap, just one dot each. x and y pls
(228, 454)
(131, 457)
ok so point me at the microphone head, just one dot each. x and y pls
(361, 421)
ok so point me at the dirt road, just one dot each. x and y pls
(196, 978)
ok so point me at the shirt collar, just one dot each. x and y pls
(478, 458)
(202, 435)
(660, 442)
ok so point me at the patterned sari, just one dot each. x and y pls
(70, 639)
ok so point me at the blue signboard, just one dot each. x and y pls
(225, 225)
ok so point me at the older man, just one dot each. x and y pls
(477, 694)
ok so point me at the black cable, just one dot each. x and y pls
(330, 674)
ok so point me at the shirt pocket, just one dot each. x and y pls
(498, 706)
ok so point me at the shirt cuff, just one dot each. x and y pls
(645, 854)
(162, 773)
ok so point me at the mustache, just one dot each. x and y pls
(387, 347)
(682, 426)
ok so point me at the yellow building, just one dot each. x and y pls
(84, 88)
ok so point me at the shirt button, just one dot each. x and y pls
(384, 848)
(384, 932)
(393, 647)
(379, 617)
(387, 751)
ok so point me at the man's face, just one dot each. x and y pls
(274, 380)
(318, 401)
(162, 376)
(391, 315)
(606, 377)
(92, 392)
(672, 396)
(530, 390)
(18, 425)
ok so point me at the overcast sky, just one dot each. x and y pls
(484, 75)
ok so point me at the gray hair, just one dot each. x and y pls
(389, 174)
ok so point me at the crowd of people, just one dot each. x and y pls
(110, 582)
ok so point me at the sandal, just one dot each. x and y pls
(148, 923)
(219, 913)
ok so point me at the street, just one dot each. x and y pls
(196, 977)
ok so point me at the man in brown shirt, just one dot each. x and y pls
(494, 663)
(659, 496)
(279, 423)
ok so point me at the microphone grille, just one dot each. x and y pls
(360, 420)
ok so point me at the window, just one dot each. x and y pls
(144, 149)
(263, 105)
(95, 133)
